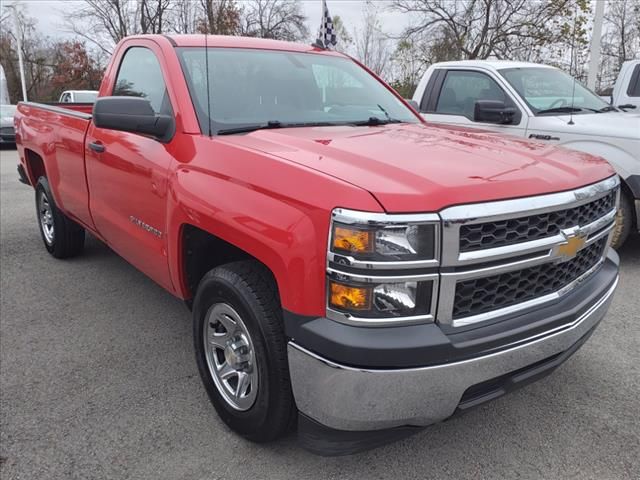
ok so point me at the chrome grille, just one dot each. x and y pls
(533, 227)
(490, 293)
(507, 256)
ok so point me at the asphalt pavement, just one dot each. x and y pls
(98, 381)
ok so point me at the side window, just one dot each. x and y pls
(634, 85)
(65, 98)
(140, 76)
(461, 89)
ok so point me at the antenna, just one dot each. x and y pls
(206, 62)
(573, 47)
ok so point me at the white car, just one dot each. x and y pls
(626, 91)
(78, 96)
(7, 131)
(541, 103)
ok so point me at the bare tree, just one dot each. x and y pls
(622, 22)
(35, 53)
(153, 15)
(219, 17)
(502, 28)
(276, 19)
(373, 47)
(104, 22)
(185, 17)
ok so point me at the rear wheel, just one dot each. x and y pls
(62, 237)
(624, 221)
(241, 350)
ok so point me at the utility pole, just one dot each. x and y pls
(19, 41)
(594, 56)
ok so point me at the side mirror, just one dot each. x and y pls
(131, 114)
(413, 104)
(493, 111)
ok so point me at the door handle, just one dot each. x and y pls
(97, 147)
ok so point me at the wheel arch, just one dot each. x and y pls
(35, 166)
(201, 251)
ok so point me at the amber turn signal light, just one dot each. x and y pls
(349, 298)
(352, 240)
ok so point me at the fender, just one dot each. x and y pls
(252, 200)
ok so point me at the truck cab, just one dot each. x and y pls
(540, 103)
(626, 91)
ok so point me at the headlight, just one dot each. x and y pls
(381, 268)
(384, 242)
(380, 299)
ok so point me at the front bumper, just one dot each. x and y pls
(348, 398)
(7, 135)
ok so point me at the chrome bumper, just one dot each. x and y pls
(347, 398)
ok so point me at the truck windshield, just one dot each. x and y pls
(250, 89)
(551, 91)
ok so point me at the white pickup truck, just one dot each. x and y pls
(626, 91)
(541, 103)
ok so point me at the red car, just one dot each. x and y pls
(349, 266)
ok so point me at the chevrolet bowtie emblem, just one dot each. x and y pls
(575, 241)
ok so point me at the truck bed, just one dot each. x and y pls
(55, 132)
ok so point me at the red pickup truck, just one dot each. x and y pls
(351, 269)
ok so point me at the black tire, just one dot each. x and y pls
(624, 221)
(250, 290)
(68, 237)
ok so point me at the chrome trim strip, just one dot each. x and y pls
(504, 209)
(352, 217)
(600, 223)
(339, 275)
(507, 251)
(371, 265)
(376, 322)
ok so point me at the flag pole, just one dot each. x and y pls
(594, 56)
(20, 59)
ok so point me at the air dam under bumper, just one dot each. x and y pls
(352, 399)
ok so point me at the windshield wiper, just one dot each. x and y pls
(374, 121)
(608, 108)
(272, 124)
(251, 128)
(560, 110)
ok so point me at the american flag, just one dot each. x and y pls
(326, 35)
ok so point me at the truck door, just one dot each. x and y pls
(128, 172)
(451, 95)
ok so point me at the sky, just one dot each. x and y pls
(50, 14)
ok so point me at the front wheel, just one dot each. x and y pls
(624, 221)
(241, 350)
(62, 237)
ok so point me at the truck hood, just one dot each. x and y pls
(609, 124)
(420, 168)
